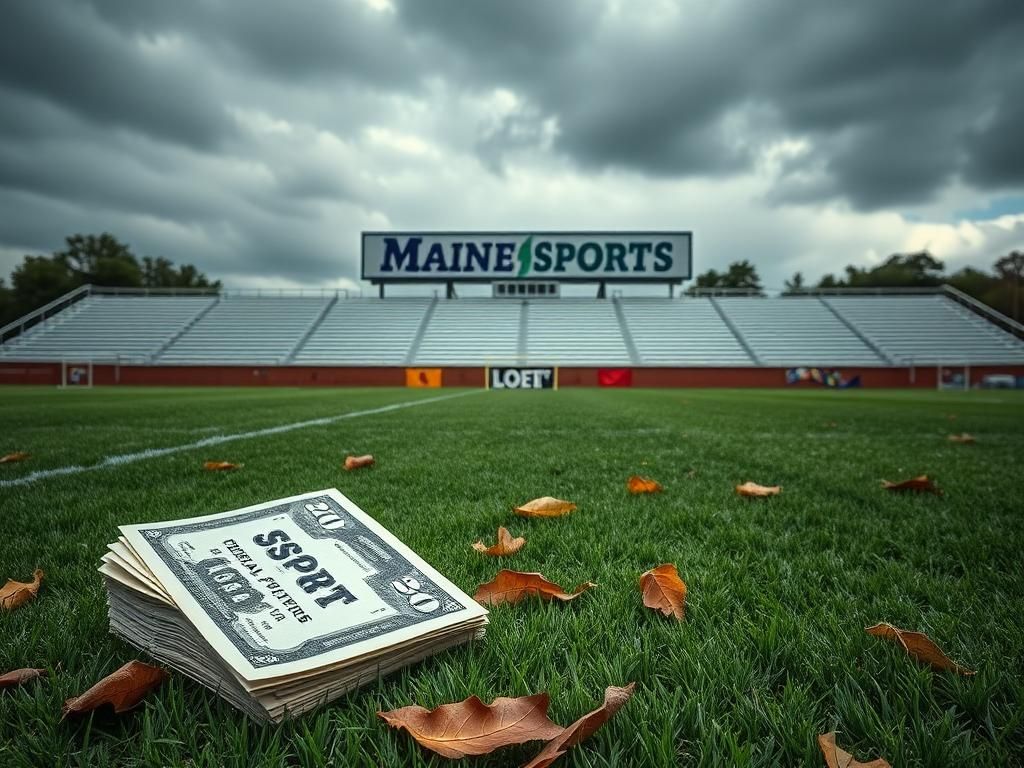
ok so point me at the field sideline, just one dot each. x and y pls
(772, 651)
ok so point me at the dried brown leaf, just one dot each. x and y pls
(836, 757)
(19, 676)
(505, 545)
(583, 728)
(638, 484)
(471, 727)
(10, 458)
(545, 506)
(920, 484)
(513, 586)
(755, 490)
(123, 689)
(16, 593)
(358, 462)
(221, 466)
(963, 437)
(918, 645)
(664, 591)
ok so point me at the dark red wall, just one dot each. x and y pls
(305, 376)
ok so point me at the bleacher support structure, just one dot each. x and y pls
(739, 337)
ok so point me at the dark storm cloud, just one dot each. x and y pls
(63, 53)
(887, 94)
(233, 134)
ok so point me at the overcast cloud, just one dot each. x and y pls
(256, 139)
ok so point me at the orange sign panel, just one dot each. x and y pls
(423, 377)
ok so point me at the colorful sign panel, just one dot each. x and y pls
(423, 377)
(615, 377)
(622, 257)
(522, 378)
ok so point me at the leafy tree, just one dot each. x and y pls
(1010, 269)
(795, 285)
(973, 282)
(161, 273)
(829, 281)
(39, 280)
(100, 260)
(739, 275)
(96, 259)
(912, 270)
(742, 274)
(6, 302)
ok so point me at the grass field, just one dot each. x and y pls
(772, 651)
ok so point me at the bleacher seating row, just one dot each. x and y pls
(841, 330)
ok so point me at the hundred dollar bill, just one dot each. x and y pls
(298, 584)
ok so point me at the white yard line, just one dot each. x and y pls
(150, 453)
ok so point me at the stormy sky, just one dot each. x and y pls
(256, 139)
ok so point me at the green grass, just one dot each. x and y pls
(773, 649)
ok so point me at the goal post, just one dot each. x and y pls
(76, 374)
(953, 377)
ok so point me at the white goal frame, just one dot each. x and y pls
(956, 368)
(70, 367)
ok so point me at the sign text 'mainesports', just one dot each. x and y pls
(568, 256)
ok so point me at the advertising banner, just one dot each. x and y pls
(522, 378)
(615, 377)
(662, 257)
(423, 377)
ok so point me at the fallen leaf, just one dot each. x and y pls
(221, 466)
(358, 462)
(16, 593)
(664, 591)
(638, 484)
(753, 489)
(962, 438)
(920, 484)
(12, 457)
(506, 545)
(831, 424)
(546, 506)
(471, 727)
(583, 728)
(123, 689)
(918, 645)
(835, 757)
(513, 586)
(19, 676)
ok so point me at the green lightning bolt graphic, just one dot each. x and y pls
(525, 256)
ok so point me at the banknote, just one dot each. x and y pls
(301, 583)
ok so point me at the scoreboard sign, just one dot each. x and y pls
(522, 378)
(622, 257)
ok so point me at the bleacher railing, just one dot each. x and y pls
(985, 311)
(225, 293)
(23, 323)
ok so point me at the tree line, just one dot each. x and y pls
(1000, 287)
(90, 259)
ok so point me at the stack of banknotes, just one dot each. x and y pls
(283, 606)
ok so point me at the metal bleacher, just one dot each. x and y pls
(246, 329)
(928, 330)
(571, 331)
(472, 332)
(681, 333)
(365, 332)
(103, 328)
(796, 330)
(833, 330)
